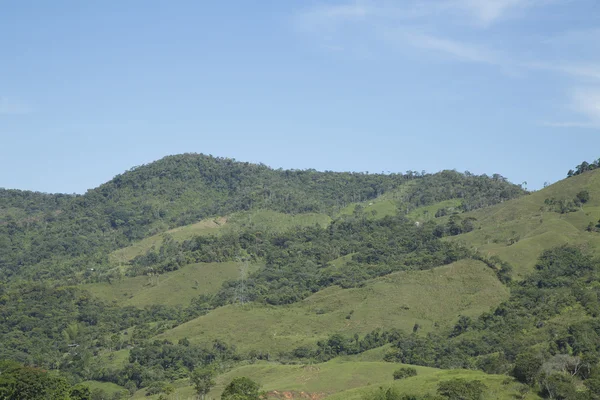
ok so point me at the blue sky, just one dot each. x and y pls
(90, 89)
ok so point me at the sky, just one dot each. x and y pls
(91, 89)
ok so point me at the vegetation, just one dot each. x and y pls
(68, 238)
(395, 301)
(202, 276)
(203, 380)
(405, 372)
(28, 383)
(584, 167)
(518, 231)
(241, 388)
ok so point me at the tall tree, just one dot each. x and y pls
(203, 381)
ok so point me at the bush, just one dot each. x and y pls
(392, 394)
(405, 372)
(461, 389)
(241, 388)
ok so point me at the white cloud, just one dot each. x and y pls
(487, 12)
(586, 103)
(329, 17)
(460, 50)
(581, 70)
(481, 12)
(12, 107)
(436, 25)
(577, 70)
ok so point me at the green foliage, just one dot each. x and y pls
(241, 388)
(27, 383)
(558, 386)
(337, 344)
(81, 392)
(297, 261)
(166, 360)
(584, 167)
(67, 238)
(527, 367)
(583, 196)
(63, 327)
(51, 243)
(393, 394)
(461, 389)
(528, 331)
(157, 387)
(562, 206)
(404, 372)
(203, 380)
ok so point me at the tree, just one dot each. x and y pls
(405, 372)
(81, 392)
(461, 389)
(527, 366)
(558, 386)
(241, 388)
(385, 394)
(19, 382)
(583, 196)
(203, 381)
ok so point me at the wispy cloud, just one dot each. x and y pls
(586, 103)
(458, 30)
(574, 69)
(483, 13)
(12, 107)
(457, 49)
(587, 125)
(488, 12)
(329, 16)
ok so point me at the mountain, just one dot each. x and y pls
(45, 236)
(314, 284)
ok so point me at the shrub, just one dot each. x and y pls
(405, 372)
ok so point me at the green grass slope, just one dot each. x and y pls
(399, 300)
(339, 379)
(109, 388)
(173, 288)
(499, 387)
(535, 229)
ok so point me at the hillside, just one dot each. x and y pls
(401, 300)
(60, 237)
(346, 379)
(520, 229)
(323, 287)
(176, 288)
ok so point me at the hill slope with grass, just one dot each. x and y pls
(339, 379)
(432, 299)
(520, 229)
(172, 289)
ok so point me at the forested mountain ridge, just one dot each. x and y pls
(62, 235)
(307, 264)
